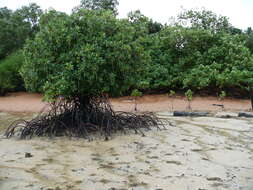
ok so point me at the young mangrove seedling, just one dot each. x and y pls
(222, 96)
(172, 95)
(136, 93)
(189, 96)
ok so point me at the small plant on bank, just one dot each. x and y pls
(172, 95)
(136, 93)
(189, 96)
(222, 96)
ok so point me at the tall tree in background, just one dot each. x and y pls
(99, 5)
(17, 26)
(204, 19)
(143, 24)
(7, 32)
(31, 14)
(249, 39)
(5, 13)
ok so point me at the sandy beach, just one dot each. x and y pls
(202, 153)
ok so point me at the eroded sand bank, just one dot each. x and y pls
(29, 102)
(195, 154)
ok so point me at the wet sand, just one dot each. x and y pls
(194, 154)
(29, 102)
(207, 153)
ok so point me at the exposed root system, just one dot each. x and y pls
(83, 117)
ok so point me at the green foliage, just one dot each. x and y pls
(136, 93)
(16, 27)
(85, 54)
(235, 31)
(13, 32)
(10, 78)
(189, 95)
(139, 22)
(249, 39)
(91, 51)
(5, 13)
(172, 93)
(198, 59)
(143, 24)
(99, 5)
(143, 85)
(204, 19)
(222, 95)
(31, 14)
(226, 64)
(157, 75)
(154, 27)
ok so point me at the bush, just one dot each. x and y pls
(10, 79)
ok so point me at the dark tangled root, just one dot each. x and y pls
(82, 117)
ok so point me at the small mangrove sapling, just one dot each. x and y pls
(172, 94)
(136, 93)
(189, 96)
(222, 96)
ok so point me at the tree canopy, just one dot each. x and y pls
(99, 5)
(204, 19)
(86, 53)
(17, 26)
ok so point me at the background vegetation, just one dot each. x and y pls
(75, 54)
(15, 27)
(10, 79)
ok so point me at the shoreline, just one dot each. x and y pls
(23, 102)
